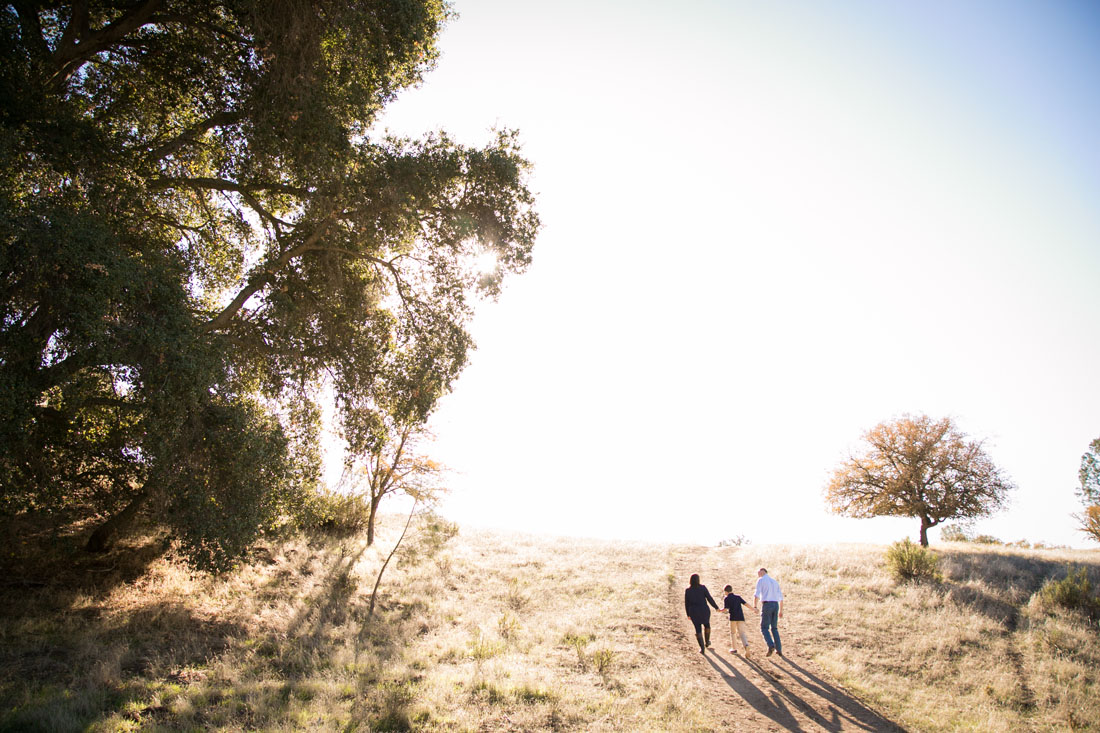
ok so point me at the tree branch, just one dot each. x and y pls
(191, 134)
(223, 184)
(261, 279)
(79, 43)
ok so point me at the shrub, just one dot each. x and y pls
(579, 642)
(507, 626)
(515, 598)
(602, 659)
(908, 561)
(339, 515)
(954, 533)
(1073, 592)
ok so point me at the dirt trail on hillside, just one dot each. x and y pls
(762, 693)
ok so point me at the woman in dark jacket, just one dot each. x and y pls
(696, 598)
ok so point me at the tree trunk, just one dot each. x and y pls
(924, 525)
(378, 580)
(370, 521)
(103, 537)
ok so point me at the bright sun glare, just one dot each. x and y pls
(769, 227)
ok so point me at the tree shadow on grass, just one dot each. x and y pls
(1013, 574)
(80, 668)
(844, 711)
(997, 584)
(69, 662)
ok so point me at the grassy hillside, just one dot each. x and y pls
(979, 651)
(502, 632)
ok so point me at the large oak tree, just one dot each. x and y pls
(201, 234)
(915, 466)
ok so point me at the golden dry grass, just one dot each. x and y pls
(494, 633)
(512, 632)
(978, 651)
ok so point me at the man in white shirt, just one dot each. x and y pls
(767, 591)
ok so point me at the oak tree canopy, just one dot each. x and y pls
(201, 234)
(915, 466)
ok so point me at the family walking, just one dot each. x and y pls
(697, 598)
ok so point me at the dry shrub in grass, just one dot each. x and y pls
(507, 626)
(515, 598)
(602, 660)
(1062, 656)
(909, 561)
(1073, 592)
(337, 515)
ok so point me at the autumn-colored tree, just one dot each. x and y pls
(1089, 490)
(915, 466)
(394, 464)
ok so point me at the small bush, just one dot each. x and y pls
(579, 642)
(909, 561)
(339, 515)
(482, 648)
(954, 533)
(1073, 592)
(602, 659)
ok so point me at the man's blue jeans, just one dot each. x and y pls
(769, 624)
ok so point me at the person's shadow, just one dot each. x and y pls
(776, 703)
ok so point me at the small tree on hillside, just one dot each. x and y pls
(392, 465)
(918, 467)
(1090, 490)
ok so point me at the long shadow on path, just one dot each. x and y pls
(836, 710)
(772, 706)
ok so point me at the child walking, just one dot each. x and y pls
(733, 604)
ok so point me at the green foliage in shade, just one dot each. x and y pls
(200, 235)
(335, 514)
(908, 561)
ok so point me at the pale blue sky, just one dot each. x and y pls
(769, 226)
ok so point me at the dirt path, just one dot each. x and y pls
(762, 693)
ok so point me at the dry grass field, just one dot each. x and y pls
(517, 633)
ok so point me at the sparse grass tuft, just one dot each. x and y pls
(507, 626)
(601, 660)
(515, 598)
